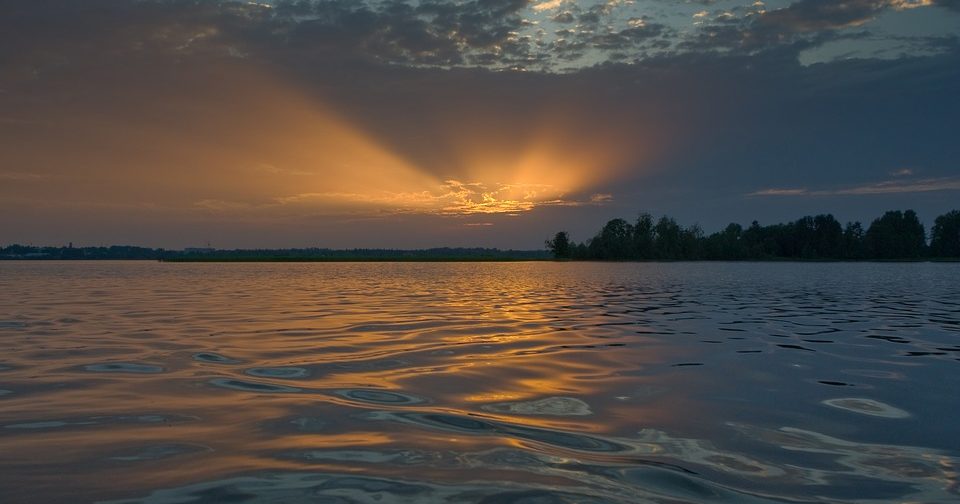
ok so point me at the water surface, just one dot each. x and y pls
(479, 382)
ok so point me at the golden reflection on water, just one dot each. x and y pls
(163, 375)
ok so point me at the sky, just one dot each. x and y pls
(489, 123)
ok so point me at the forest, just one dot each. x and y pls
(896, 235)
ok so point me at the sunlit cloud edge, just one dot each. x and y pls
(885, 187)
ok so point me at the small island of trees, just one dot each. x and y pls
(897, 235)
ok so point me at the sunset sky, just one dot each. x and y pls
(494, 123)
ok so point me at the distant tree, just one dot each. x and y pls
(615, 241)
(778, 241)
(691, 240)
(667, 239)
(560, 245)
(915, 237)
(643, 237)
(753, 239)
(71, 253)
(853, 246)
(896, 235)
(803, 238)
(729, 242)
(827, 237)
(580, 251)
(945, 235)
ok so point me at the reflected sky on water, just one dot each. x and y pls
(479, 382)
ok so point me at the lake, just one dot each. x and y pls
(533, 382)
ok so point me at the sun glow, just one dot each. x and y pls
(316, 160)
(247, 143)
(360, 174)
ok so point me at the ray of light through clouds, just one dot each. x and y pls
(419, 123)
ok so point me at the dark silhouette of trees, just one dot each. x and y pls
(614, 242)
(827, 236)
(945, 235)
(690, 242)
(666, 239)
(853, 246)
(895, 235)
(754, 241)
(727, 244)
(560, 245)
(643, 237)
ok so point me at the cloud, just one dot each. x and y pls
(36, 39)
(548, 5)
(780, 192)
(897, 187)
(452, 198)
(218, 205)
(808, 16)
(885, 187)
(276, 170)
(563, 17)
(488, 33)
(23, 176)
(808, 23)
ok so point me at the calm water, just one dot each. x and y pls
(523, 383)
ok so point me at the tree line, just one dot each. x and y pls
(896, 235)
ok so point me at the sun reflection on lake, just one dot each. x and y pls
(443, 376)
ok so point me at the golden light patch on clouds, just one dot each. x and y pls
(449, 198)
(548, 5)
(558, 158)
(910, 4)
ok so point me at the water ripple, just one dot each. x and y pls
(123, 367)
(527, 382)
(251, 386)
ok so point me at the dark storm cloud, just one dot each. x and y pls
(808, 16)
(805, 23)
(431, 33)
(487, 33)
(615, 43)
(490, 33)
(638, 30)
(42, 33)
(47, 38)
